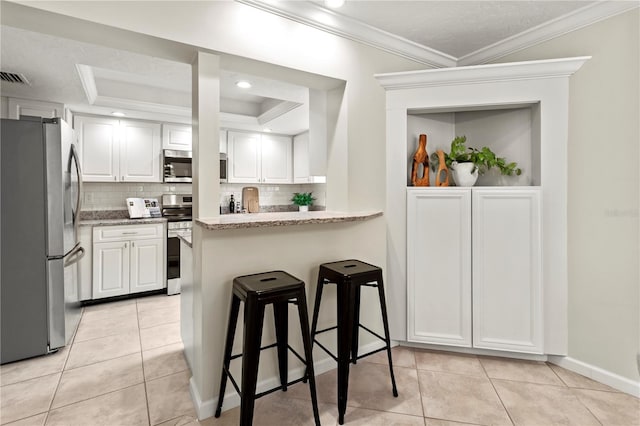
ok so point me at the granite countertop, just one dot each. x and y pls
(259, 220)
(186, 237)
(113, 217)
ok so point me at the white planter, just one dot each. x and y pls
(303, 208)
(464, 173)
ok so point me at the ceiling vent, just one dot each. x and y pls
(11, 77)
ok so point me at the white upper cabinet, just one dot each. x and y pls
(277, 165)
(244, 160)
(223, 141)
(99, 148)
(140, 153)
(119, 150)
(20, 107)
(177, 137)
(301, 158)
(255, 158)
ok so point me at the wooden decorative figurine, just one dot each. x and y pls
(442, 175)
(420, 157)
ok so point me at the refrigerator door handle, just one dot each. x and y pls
(74, 256)
(74, 156)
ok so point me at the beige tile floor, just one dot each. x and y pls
(125, 367)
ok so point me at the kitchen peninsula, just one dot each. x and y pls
(261, 220)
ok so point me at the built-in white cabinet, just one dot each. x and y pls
(474, 268)
(114, 150)
(19, 107)
(223, 141)
(307, 167)
(259, 158)
(176, 137)
(128, 259)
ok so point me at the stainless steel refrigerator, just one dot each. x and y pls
(41, 193)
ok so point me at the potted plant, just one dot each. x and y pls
(466, 163)
(303, 200)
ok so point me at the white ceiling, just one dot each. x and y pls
(98, 79)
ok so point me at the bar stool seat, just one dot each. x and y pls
(257, 291)
(350, 276)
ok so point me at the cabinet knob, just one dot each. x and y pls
(115, 178)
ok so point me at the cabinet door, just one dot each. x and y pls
(99, 149)
(301, 158)
(147, 265)
(140, 151)
(110, 269)
(507, 286)
(277, 162)
(176, 136)
(244, 157)
(439, 266)
(85, 272)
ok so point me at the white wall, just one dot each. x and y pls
(604, 187)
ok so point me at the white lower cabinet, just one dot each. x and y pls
(474, 268)
(128, 259)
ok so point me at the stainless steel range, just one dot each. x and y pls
(178, 211)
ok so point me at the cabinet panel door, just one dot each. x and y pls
(507, 286)
(176, 136)
(140, 151)
(110, 269)
(99, 148)
(147, 266)
(277, 164)
(244, 157)
(301, 158)
(439, 266)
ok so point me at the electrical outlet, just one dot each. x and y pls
(88, 197)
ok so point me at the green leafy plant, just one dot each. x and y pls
(302, 198)
(484, 159)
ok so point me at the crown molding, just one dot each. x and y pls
(316, 16)
(313, 15)
(277, 111)
(85, 72)
(580, 18)
(549, 68)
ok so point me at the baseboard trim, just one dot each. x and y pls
(206, 409)
(598, 374)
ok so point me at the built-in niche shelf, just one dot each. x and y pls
(511, 131)
(520, 111)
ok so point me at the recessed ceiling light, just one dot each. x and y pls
(334, 3)
(267, 129)
(118, 114)
(243, 84)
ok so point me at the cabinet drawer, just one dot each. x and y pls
(127, 232)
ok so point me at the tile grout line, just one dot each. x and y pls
(144, 378)
(64, 367)
(493, 386)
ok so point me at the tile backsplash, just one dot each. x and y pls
(112, 196)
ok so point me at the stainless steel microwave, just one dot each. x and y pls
(178, 166)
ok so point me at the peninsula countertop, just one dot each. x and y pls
(260, 220)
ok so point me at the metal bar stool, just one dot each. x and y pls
(350, 276)
(257, 291)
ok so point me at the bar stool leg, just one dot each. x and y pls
(231, 331)
(345, 331)
(253, 320)
(281, 317)
(316, 307)
(385, 322)
(308, 353)
(356, 325)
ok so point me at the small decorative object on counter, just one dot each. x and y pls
(232, 205)
(303, 200)
(442, 174)
(421, 157)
